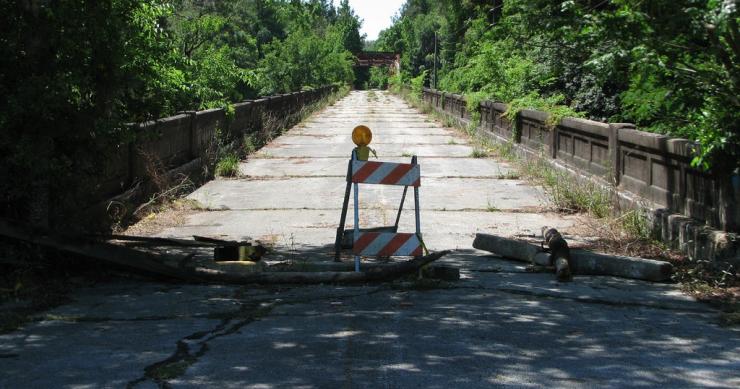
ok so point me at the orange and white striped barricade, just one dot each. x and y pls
(381, 241)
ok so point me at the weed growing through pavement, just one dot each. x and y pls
(479, 153)
(509, 175)
(490, 207)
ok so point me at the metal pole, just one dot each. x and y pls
(357, 226)
(356, 233)
(416, 204)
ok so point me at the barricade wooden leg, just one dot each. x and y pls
(343, 218)
(342, 222)
(400, 208)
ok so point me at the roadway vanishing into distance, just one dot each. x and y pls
(497, 326)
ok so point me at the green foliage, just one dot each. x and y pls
(636, 223)
(378, 77)
(304, 59)
(228, 165)
(249, 144)
(551, 105)
(569, 194)
(670, 66)
(74, 73)
(417, 83)
(472, 104)
(479, 153)
(395, 83)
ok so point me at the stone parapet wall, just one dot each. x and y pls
(649, 170)
(179, 146)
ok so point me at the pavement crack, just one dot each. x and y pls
(192, 347)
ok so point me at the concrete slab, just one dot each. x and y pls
(385, 150)
(328, 193)
(420, 129)
(303, 229)
(486, 337)
(324, 167)
(379, 140)
(109, 335)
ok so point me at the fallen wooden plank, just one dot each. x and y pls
(99, 250)
(437, 271)
(581, 261)
(384, 273)
(150, 262)
(153, 240)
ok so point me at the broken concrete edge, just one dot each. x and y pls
(689, 236)
(371, 274)
(433, 270)
(155, 263)
(582, 262)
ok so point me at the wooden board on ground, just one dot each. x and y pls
(155, 263)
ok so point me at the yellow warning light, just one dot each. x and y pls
(362, 136)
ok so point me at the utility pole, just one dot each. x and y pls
(435, 60)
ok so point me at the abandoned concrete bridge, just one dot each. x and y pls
(497, 325)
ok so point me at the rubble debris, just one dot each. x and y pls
(186, 270)
(240, 252)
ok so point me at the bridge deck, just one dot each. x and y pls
(499, 325)
(292, 191)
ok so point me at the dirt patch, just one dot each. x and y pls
(603, 236)
(171, 215)
(715, 283)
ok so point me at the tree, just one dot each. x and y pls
(669, 66)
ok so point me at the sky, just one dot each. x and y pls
(375, 14)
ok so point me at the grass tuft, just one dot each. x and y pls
(228, 166)
(479, 153)
(490, 207)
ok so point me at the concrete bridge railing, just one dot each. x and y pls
(182, 146)
(648, 170)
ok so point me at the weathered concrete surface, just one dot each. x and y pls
(326, 167)
(498, 325)
(325, 192)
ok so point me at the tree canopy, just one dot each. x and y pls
(73, 73)
(669, 66)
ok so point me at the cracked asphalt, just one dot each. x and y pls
(497, 326)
